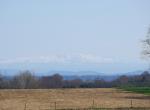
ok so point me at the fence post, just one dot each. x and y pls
(55, 105)
(25, 106)
(131, 104)
(93, 103)
(39, 107)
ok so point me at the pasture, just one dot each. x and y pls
(143, 90)
(48, 99)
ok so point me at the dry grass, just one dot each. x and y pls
(69, 98)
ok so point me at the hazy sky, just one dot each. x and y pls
(100, 35)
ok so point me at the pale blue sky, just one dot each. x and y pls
(100, 35)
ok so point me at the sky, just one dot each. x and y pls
(74, 35)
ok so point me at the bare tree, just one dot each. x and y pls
(54, 81)
(146, 47)
(25, 80)
(1, 81)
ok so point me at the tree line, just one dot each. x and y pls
(27, 80)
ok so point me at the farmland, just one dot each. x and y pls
(70, 98)
(143, 90)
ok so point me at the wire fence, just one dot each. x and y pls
(93, 104)
(56, 106)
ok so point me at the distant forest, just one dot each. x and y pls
(26, 80)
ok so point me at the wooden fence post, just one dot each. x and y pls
(26, 98)
(55, 105)
(93, 103)
(25, 106)
(131, 104)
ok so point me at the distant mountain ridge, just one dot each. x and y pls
(9, 72)
(90, 77)
(70, 75)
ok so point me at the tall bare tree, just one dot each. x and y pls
(1, 81)
(146, 47)
(54, 81)
(25, 80)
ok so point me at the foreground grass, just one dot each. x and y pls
(143, 90)
(136, 108)
(72, 99)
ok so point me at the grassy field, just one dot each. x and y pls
(143, 90)
(70, 98)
